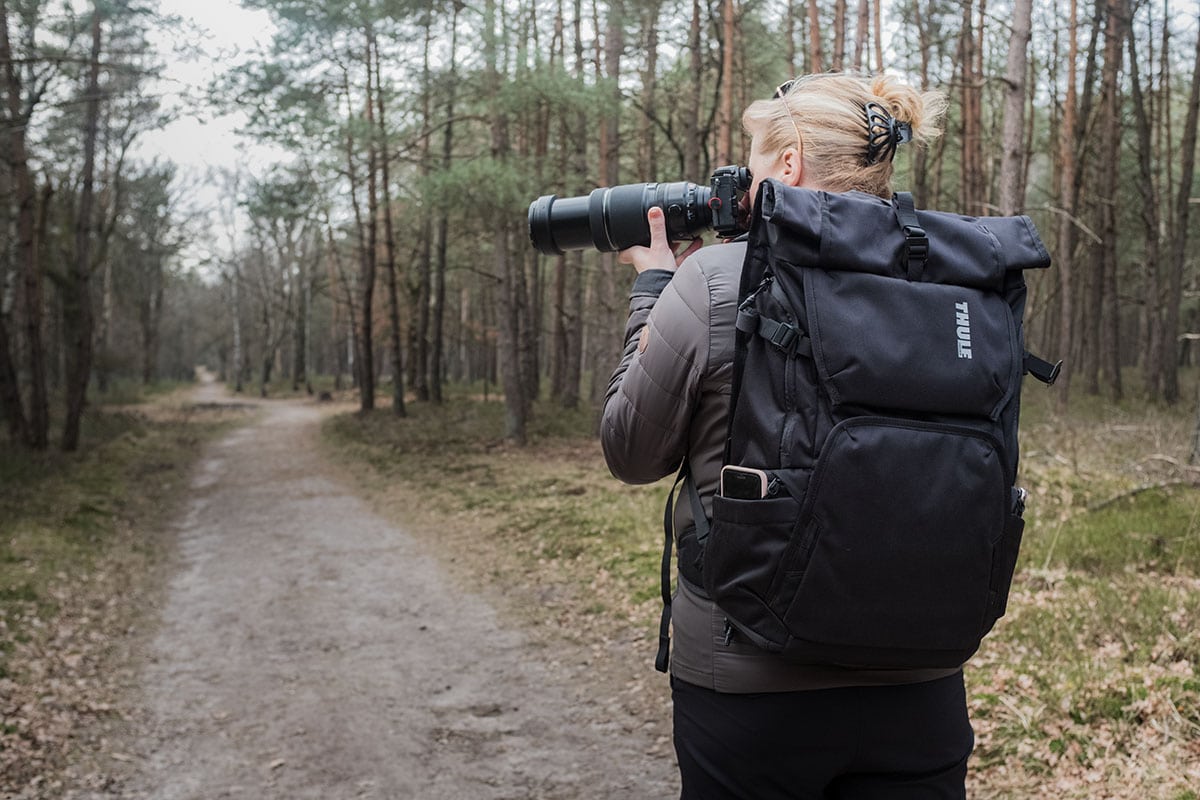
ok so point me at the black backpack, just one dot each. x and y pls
(876, 392)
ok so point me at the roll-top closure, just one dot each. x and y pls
(856, 232)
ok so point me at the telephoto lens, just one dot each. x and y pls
(614, 218)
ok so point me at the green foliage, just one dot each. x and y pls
(1155, 530)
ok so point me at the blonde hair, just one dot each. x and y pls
(828, 112)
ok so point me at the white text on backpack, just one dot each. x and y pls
(964, 329)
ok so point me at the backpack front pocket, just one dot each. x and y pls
(905, 519)
(748, 548)
(888, 343)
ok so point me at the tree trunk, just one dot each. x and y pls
(1104, 291)
(437, 348)
(839, 35)
(10, 391)
(573, 377)
(1178, 255)
(789, 36)
(149, 316)
(971, 180)
(1065, 255)
(878, 32)
(1151, 343)
(647, 145)
(726, 122)
(921, 189)
(77, 309)
(691, 115)
(366, 254)
(1012, 159)
(419, 310)
(860, 33)
(389, 238)
(27, 246)
(300, 364)
(512, 293)
(815, 62)
(238, 357)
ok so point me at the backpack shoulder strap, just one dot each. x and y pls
(662, 659)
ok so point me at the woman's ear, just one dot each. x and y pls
(791, 168)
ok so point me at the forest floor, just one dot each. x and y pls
(301, 645)
(329, 604)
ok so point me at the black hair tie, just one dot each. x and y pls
(884, 133)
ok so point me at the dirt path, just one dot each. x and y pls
(309, 649)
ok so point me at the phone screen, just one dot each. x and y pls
(740, 483)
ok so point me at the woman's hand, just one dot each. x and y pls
(661, 254)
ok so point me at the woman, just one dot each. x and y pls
(749, 724)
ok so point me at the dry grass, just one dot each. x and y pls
(1089, 687)
(80, 546)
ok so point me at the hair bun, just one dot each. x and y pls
(923, 111)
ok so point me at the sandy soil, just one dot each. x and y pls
(309, 649)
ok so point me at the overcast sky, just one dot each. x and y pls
(199, 139)
(224, 32)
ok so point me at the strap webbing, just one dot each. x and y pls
(1041, 369)
(916, 244)
(785, 336)
(662, 659)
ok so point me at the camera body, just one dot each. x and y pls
(614, 218)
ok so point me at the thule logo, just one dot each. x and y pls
(963, 320)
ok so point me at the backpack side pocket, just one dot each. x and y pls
(747, 548)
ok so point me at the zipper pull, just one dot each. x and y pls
(728, 632)
(1019, 498)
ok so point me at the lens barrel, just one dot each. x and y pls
(614, 218)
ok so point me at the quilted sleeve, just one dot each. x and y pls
(654, 391)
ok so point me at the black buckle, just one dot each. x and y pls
(917, 243)
(1041, 369)
(783, 336)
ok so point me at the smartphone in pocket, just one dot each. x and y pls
(743, 483)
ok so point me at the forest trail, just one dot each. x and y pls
(307, 648)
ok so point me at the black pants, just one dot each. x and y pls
(862, 743)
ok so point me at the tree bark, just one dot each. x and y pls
(839, 35)
(389, 239)
(691, 114)
(436, 368)
(10, 390)
(1065, 255)
(815, 61)
(971, 180)
(860, 33)
(421, 292)
(1012, 159)
(726, 121)
(512, 293)
(647, 145)
(1151, 345)
(77, 309)
(1178, 255)
(27, 245)
(365, 361)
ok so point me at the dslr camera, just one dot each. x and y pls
(614, 218)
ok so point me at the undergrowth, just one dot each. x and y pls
(1088, 687)
(78, 532)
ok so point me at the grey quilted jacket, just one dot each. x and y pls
(669, 400)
